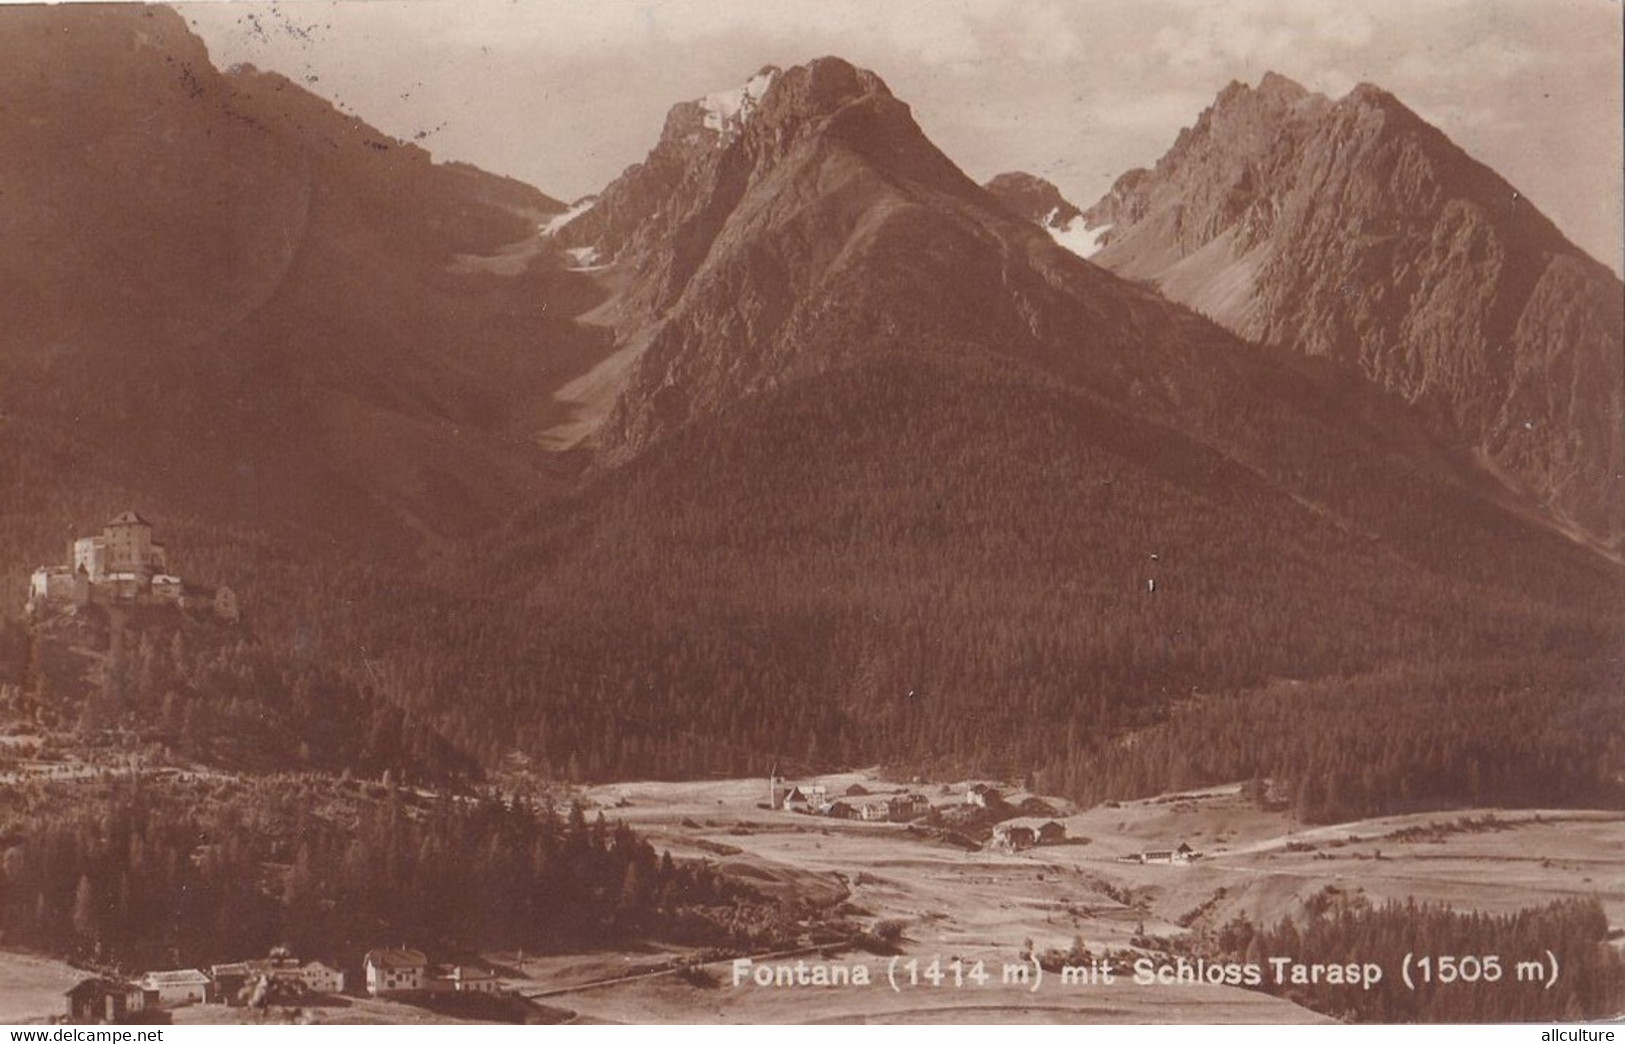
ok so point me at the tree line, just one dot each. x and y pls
(165, 872)
(1454, 979)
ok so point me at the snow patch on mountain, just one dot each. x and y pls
(1075, 235)
(728, 111)
(552, 225)
(583, 259)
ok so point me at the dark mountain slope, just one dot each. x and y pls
(827, 230)
(248, 305)
(1353, 230)
(877, 435)
(1041, 573)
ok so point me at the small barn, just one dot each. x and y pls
(1013, 836)
(105, 1000)
(1051, 832)
(463, 979)
(982, 795)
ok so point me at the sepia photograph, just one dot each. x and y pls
(942, 512)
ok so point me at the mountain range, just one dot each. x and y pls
(1352, 230)
(795, 441)
(228, 295)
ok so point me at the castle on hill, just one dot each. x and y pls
(122, 565)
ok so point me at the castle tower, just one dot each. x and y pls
(90, 558)
(128, 540)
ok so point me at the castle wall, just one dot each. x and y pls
(123, 565)
(90, 554)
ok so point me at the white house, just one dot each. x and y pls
(174, 988)
(321, 978)
(1170, 856)
(394, 971)
(464, 979)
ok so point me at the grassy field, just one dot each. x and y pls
(993, 907)
(32, 988)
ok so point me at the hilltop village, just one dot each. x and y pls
(122, 564)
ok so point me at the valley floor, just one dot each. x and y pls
(966, 913)
(991, 906)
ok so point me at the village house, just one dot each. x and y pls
(1164, 856)
(320, 977)
(1016, 834)
(463, 979)
(395, 971)
(905, 807)
(105, 1000)
(171, 989)
(982, 795)
(229, 982)
(1013, 837)
(233, 982)
(122, 564)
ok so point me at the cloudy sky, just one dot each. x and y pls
(566, 93)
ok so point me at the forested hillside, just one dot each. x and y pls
(118, 876)
(1463, 964)
(881, 475)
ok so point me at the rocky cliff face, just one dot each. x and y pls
(826, 233)
(1353, 230)
(829, 230)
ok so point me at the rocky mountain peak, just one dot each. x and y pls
(711, 148)
(1356, 231)
(1033, 198)
(819, 89)
(776, 100)
(1280, 86)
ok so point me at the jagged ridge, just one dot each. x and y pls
(1355, 231)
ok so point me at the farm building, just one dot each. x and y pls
(463, 979)
(171, 989)
(982, 795)
(905, 807)
(105, 1000)
(395, 971)
(1013, 837)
